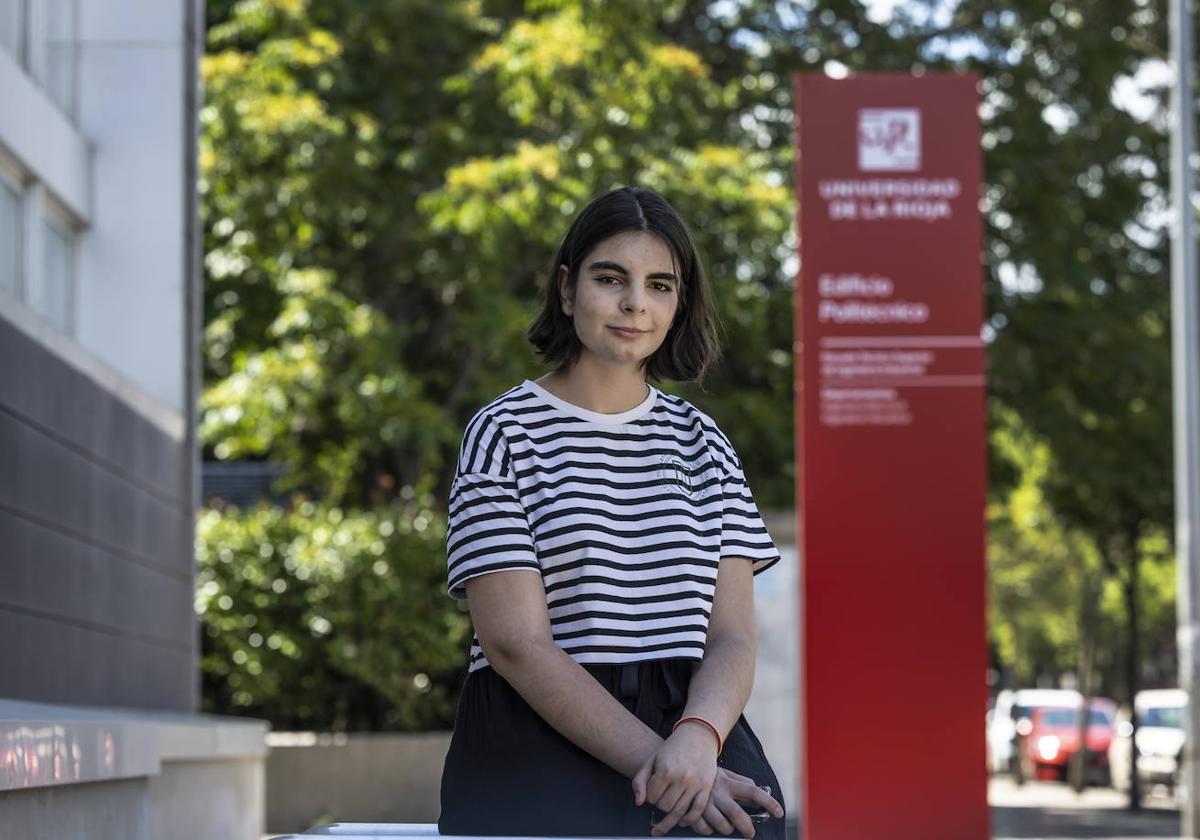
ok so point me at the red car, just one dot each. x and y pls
(1053, 737)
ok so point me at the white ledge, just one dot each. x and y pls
(69, 351)
(44, 140)
(44, 745)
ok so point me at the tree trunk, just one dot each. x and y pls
(1131, 671)
(1078, 766)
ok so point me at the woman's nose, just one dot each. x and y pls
(635, 298)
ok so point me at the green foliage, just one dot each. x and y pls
(1042, 573)
(432, 186)
(384, 185)
(326, 395)
(323, 618)
(379, 217)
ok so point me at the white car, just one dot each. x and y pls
(1011, 713)
(1160, 739)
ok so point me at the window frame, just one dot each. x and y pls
(13, 179)
(55, 216)
(33, 51)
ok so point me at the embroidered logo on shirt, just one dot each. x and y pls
(679, 476)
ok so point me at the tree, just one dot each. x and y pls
(379, 218)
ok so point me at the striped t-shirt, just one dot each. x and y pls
(625, 517)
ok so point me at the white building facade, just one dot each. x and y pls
(100, 317)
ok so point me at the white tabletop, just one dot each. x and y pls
(365, 831)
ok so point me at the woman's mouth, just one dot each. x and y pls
(626, 333)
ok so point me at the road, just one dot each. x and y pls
(1049, 811)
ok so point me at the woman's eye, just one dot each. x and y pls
(659, 286)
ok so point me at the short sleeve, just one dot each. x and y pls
(743, 532)
(487, 529)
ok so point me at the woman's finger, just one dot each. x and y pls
(699, 803)
(754, 794)
(675, 814)
(659, 787)
(670, 798)
(736, 815)
(742, 785)
(714, 817)
(639, 782)
(737, 777)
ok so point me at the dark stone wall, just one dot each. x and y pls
(96, 542)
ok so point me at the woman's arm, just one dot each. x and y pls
(718, 691)
(721, 686)
(509, 612)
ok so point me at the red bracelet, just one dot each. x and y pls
(698, 719)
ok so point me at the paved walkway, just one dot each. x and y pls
(1049, 811)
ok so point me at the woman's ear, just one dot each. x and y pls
(565, 293)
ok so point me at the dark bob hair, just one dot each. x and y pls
(691, 346)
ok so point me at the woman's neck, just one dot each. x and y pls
(605, 394)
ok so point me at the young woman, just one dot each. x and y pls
(605, 538)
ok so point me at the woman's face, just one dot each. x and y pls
(628, 280)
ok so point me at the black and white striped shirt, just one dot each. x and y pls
(625, 517)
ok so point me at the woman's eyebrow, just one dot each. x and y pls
(608, 265)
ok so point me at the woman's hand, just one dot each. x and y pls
(678, 777)
(722, 812)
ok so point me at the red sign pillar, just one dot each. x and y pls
(891, 449)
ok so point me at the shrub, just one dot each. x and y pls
(320, 618)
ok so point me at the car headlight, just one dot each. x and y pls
(1047, 747)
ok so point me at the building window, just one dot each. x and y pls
(55, 299)
(41, 37)
(38, 248)
(10, 239)
(12, 29)
(57, 73)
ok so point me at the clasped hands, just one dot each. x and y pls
(682, 779)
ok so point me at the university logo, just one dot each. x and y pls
(889, 139)
(677, 475)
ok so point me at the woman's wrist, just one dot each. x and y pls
(697, 728)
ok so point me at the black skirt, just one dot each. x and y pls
(508, 772)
